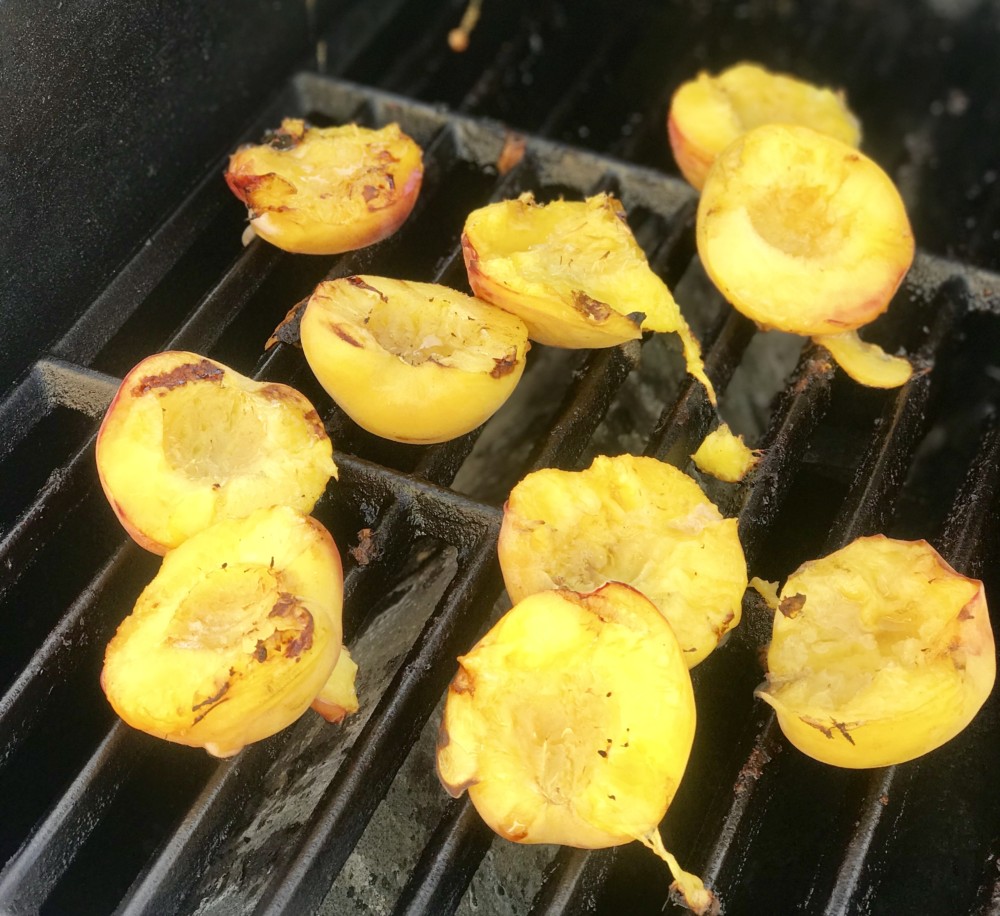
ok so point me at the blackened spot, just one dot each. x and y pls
(792, 605)
(343, 335)
(603, 753)
(214, 698)
(360, 284)
(842, 728)
(288, 607)
(280, 140)
(812, 723)
(289, 331)
(260, 653)
(590, 307)
(203, 371)
(504, 366)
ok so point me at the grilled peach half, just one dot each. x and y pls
(710, 112)
(633, 520)
(801, 232)
(573, 272)
(571, 722)
(413, 362)
(325, 190)
(234, 637)
(880, 652)
(188, 441)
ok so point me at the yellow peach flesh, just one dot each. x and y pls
(338, 698)
(866, 363)
(574, 273)
(234, 637)
(327, 190)
(724, 455)
(413, 362)
(188, 441)
(571, 721)
(632, 520)
(710, 112)
(881, 652)
(801, 232)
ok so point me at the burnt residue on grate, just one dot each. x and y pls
(350, 819)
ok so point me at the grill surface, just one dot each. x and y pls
(95, 817)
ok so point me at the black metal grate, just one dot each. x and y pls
(95, 817)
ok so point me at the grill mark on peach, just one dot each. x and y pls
(361, 284)
(274, 391)
(504, 365)
(842, 728)
(344, 336)
(288, 607)
(202, 371)
(591, 308)
(210, 702)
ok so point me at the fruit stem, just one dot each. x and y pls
(698, 898)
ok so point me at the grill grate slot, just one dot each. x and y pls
(272, 829)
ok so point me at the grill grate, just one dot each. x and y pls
(273, 829)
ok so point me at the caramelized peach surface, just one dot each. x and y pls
(234, 637)
(881, 652)
(573, 272)
(802, 232)
(710, 112)
(188, 441)
(632, 520)
(413, 362)
(324, 190)
(571, 722)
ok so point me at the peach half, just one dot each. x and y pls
(325, 190)
(801, 232)
(880, 652)
(633, 520)
(412, 362)
(571, 722)
(710, 112)
(187, 442)
(573, 272)
(234, 637)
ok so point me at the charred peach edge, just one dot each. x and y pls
(549, 320)
(169, 369)
(289, 228)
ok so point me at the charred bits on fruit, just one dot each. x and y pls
(203, 371)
